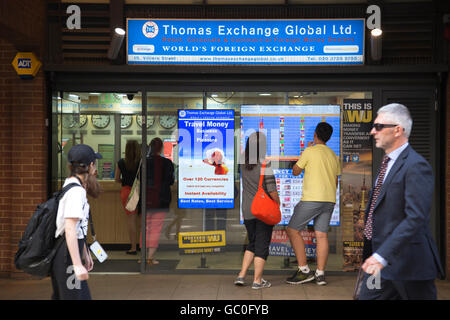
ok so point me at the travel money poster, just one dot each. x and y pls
(206, 159)
(356, 176)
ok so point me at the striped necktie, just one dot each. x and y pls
(376, 193)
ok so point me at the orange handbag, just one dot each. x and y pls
(263, 207)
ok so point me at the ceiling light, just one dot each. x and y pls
(265, 94)
(116, 43)
(376, 32)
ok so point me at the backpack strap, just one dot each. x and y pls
(63, 191)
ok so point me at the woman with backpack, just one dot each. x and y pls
(73, 261)
(126, 171)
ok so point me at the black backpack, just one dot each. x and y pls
(38, 245)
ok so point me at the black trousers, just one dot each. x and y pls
(383, 289)
(64, 282)
(259, 237)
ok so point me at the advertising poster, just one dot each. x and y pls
(201, 242)
(249, 42)
(288, 129)
(106, 164)
(281, 246)
(356, 176)
(206, 159)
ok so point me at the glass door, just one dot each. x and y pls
(67, 124)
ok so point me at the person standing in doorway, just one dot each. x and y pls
(321, 169)
(398, 245)
(126, 171)
(73, 256)
(259, 233)
(160, 176)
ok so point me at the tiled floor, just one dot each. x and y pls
(193, 287)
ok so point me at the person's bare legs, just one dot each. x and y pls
(150, 254)
(246, 263)
(298, 245)
(322, 250)
(259, 268)
(132, 220)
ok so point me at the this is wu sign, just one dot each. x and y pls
(246, 42)
(26, 65)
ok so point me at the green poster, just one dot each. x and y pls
(106, 164)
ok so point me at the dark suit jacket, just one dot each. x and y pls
(401, 217)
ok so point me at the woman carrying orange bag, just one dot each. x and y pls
(259, 233)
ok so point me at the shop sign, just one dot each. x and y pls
(201, 242)
(206, 158)
(246, 42)
(26, 65)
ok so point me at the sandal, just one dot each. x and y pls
(150, 262)
(131, 252)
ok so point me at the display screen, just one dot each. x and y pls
(206, 159)
(289, 128)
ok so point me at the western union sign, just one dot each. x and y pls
(201, 242)
(26, 65)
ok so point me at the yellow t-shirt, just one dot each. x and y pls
(321, 167)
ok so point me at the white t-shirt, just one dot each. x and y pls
(74, 204)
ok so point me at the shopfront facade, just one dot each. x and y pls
(105, 103)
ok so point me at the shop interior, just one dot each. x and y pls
(106, 121)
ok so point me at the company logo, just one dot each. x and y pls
(24, 63)
(182, 113)
(150, 29)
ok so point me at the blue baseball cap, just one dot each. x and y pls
(83, 154)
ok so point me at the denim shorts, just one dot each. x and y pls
(305, 211)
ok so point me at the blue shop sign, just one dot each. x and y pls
(246, 42)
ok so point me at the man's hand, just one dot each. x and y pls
(371, 266)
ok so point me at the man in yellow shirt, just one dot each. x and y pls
(322, 168)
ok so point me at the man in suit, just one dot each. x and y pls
(397, 238)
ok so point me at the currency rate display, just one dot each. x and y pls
(289, 128)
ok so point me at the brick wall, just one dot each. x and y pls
(23, 153)
(23, 134)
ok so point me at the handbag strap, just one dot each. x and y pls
(139, 169)
(261, 177)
